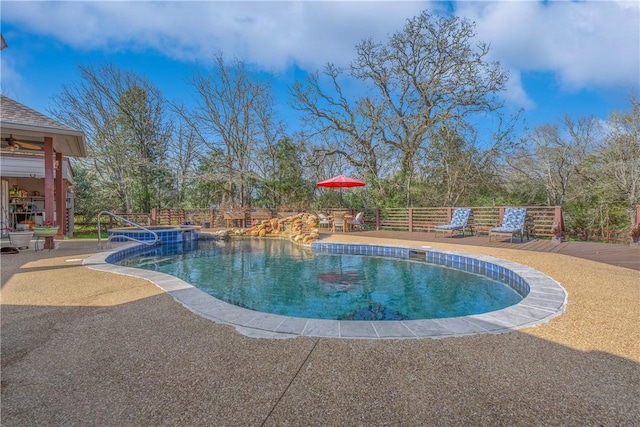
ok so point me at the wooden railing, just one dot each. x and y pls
(540, 219)
(138, 218)
(181, 216)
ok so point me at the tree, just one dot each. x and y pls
(90, 197)
(553, 157)
(619, 177)
(284, 183)
(184, 158)
(429, 75)
(127, 130)
(207, 185)
(228, 117)
(456, 169)
(141, 120)
(347, 128)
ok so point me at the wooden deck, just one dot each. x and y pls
(608, 253)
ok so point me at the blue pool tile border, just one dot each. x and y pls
(453, 260)
(543, 298)
(165, 235)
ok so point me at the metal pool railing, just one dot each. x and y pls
(118, 217)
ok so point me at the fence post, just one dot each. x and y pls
(154, 216)
(449, 214)
(377, 219)
(410, 220)
(635, 229)
(557, 228)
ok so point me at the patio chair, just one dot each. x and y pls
(459, 221)
(513, 222)
(323, 220)
(338, 221)
(234, 218)
(357, 222)
(260, 215)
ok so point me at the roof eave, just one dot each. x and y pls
(77, 143)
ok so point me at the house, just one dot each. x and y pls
(36, 174)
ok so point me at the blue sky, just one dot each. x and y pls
(580, 58)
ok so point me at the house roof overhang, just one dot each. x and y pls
(23, 123)
(69, 143)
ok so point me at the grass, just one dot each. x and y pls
(89, 235)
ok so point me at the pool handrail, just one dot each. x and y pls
(111, 214)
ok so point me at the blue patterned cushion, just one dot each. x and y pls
(460, 217)
(505, 230)
(514, 218)
(459, 220)
(449, 227)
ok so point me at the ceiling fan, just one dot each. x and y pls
(13, 144)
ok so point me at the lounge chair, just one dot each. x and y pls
(459, 221)
(357, 222)
(513, 222)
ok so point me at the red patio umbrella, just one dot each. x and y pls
(341, 182)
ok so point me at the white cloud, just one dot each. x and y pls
(515, 94)
(587, 44)
(9, 73)
(271, 34)
(592, 44)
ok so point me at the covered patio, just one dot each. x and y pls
(37, 148)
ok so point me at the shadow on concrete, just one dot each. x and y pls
(152, 362)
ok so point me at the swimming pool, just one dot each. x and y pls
(544, 300)
(274, 276)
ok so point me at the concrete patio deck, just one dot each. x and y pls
(84, 347)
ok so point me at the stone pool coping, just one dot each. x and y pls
(546, 299)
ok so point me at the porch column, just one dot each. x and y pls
(48, 188)
(48, 179)
(61, 199)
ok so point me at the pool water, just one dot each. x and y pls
(275, 276)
